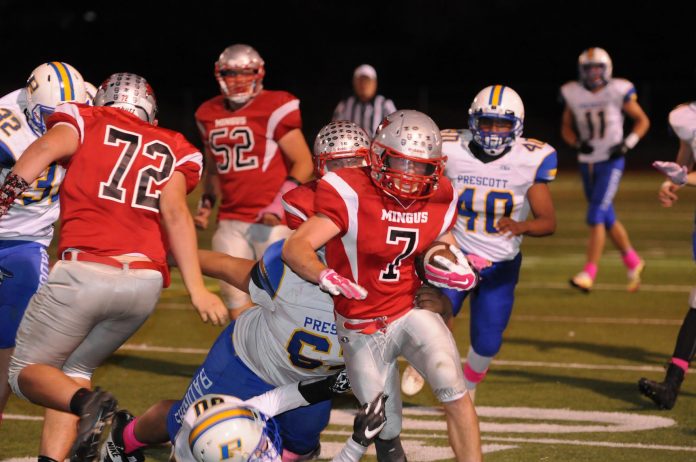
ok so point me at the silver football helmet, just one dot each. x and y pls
(239, 70)
(49, 85)
(340, 144)
(234, 432)
(406, 155)
(129, 92)
(594, 67)
(91, 92)
(493, 103)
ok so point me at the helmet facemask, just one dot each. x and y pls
(593, 75)
(495, 132)
(404, 176)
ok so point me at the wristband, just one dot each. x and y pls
(631, 140)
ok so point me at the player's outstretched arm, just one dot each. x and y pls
(233, 270)
(178, 225)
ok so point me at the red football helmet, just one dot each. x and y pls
(406, 155)
(239, 70)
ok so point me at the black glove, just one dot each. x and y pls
(584, 147)
(5, 274)
(370, 420)
(317, 390)
(618, 150)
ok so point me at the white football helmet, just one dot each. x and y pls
(234, 432)
(496, 102)
(406, 155)
(594, 67)
(239, 70)
(91, 93)
(49, 85)
(340, 144)
(129, 92)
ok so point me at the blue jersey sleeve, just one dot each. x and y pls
(268, 272)
(547, 169)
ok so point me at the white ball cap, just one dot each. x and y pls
(365, 70)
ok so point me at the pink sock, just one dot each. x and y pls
(591, 269)
(681, 364)
(631, 259)
(473, 376)
(130, 442)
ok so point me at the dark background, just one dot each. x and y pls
(433, 56)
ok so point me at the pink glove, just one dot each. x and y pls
(457, 276)
(675, 172)
(335, 284)
(276, 207)
(478, 263)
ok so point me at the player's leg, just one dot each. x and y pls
(428, 345)
(597, 234)
(665, 393)
(61, 315)
(25, 267)
(491, 308)
(232, 237)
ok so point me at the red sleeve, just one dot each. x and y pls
(328, 202)
(298, 204)
(288, 113)
(189, 161)
(67, 113)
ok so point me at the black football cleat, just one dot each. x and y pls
(114, 449)
(660, 392)
(96, 415)
(664, 394)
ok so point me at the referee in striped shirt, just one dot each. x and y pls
(366, 108)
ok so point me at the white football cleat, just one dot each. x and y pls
(634, 277)
(582, 281)
(411, 381)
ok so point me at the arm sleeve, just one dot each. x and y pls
(351, 452)
(278, 400)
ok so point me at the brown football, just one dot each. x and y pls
(436, 248)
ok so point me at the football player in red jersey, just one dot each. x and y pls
(339, 144)
(126, 182)
(256, 152)
(374, 221)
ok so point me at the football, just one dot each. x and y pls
(428, 256)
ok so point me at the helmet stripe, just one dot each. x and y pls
(64, 80)
(496, 93)
(200, 428)
(72, 86)
(500, 96)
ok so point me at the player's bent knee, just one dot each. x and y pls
(487, 345)
(445, 376)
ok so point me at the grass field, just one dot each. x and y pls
(562, 388)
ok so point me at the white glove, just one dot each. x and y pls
(335, 284)
(672, 170)
(458, 276)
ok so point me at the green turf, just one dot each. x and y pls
(607, 336)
